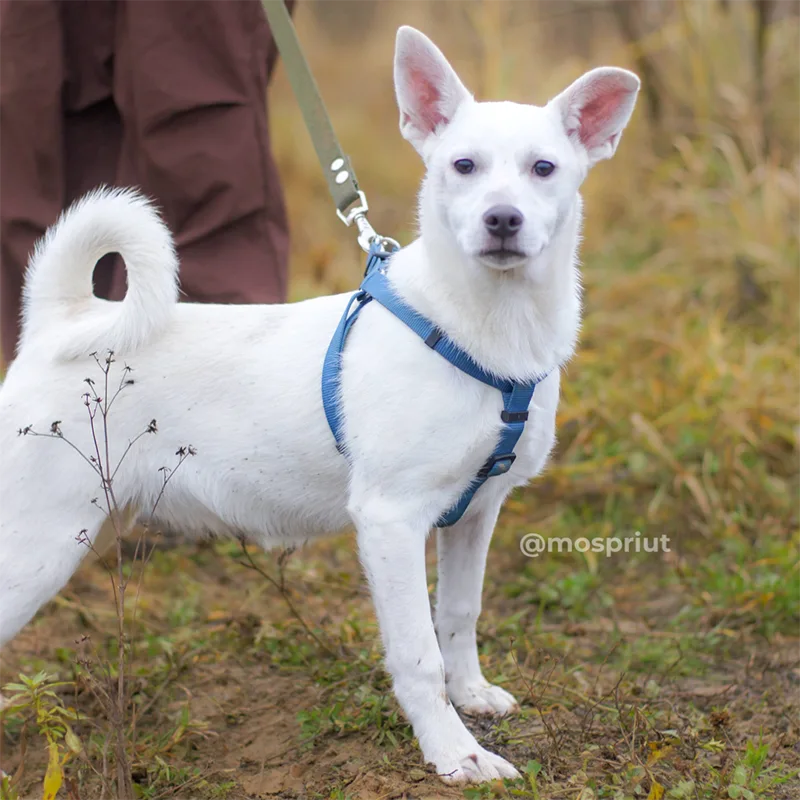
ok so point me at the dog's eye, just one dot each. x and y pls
(544, 168)
(464, 166)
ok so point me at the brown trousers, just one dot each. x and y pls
(166, 95)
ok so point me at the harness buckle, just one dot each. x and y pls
(497, 465)
(514, 416)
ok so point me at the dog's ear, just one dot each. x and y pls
(428, 90)
(596, 108)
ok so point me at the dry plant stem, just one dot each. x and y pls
(100, 461)
(124, 784)
(551, 731)
(763, 12)
(280, 585)
(588, 720)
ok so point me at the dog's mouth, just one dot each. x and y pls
(503, 257)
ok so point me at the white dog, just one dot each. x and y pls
(495, 267)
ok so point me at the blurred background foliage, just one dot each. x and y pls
(681, 407)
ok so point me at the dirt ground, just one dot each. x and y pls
(628, 688)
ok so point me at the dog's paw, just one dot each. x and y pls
(476, 766)
(480, 698)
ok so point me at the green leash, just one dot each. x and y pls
(351, 203)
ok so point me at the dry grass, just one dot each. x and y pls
(687, 372)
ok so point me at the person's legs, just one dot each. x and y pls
(31, 131)
(92, 125)
(190, 83)
(59, 130)
(92, 139)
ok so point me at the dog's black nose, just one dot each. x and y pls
(503, 221)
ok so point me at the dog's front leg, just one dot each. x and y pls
(393, 555)
(462, 553)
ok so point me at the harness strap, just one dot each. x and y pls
(516, 396)
(332, 368)
(377, 286)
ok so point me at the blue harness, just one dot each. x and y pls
(516, 396)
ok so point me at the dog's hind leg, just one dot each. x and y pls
(462, 553)
(41, 546)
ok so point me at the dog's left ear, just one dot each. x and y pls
(428, 90)
(596, 108)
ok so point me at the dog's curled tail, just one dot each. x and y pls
(59, 306)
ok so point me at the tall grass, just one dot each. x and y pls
(686, 384)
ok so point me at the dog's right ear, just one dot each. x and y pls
(428, 90)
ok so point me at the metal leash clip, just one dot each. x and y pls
(366, 233)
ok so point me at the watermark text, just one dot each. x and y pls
(534, 544)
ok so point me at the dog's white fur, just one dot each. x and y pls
(242, 384)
